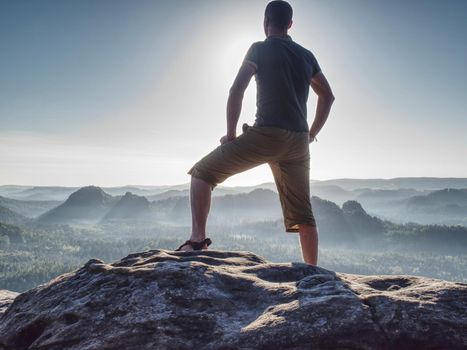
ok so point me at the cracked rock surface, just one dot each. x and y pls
(162, 299)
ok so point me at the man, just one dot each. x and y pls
(284, 71)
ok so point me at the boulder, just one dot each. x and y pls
(162, 299)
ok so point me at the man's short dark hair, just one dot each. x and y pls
(279, 13)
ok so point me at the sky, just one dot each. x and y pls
(116, 92)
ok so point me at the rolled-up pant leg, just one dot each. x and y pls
(254, 147)
(293, 184)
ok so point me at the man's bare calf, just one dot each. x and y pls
(309, 243)
(200, 200)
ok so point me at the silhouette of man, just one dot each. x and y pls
(284, 71)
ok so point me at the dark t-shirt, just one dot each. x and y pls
(283, 75)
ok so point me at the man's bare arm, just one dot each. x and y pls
(321, 87)
(234, 102)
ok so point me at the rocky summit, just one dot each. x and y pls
(161, 299)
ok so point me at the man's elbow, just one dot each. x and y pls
(327, 97)
(236, 91)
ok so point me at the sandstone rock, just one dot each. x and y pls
(163, 299)
(6, 298)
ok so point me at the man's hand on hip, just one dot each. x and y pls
(226, 138)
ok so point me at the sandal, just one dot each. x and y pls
(195, 245)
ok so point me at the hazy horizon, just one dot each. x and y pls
(228, 185)
(117, 92)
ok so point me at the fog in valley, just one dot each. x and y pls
(415, 226)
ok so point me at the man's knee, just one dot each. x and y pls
(197, 180)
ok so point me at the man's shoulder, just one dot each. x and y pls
(310, 56)
(271, 46)
(257, 44)
(302, 48)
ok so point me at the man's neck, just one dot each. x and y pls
(273, 32)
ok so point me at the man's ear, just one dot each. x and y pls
(265, 25)
(290, 24)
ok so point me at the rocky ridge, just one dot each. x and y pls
(161, 299)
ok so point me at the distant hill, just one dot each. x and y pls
(8, 216)
(29, 208)
(41, 193)
(378, 195)
(6, 190)
(442, 197)
(444, 206)
(331, 192)
(384, 202)
(138, 190)
(258, 204)
(129, 207)
(360, 221)
(168, 194)
(220, 191)
(347, 224)
(61, 193)
(246, 189)
(447, 206)
(87, 205)
(417, 183)
(330, 219)
(368, 197)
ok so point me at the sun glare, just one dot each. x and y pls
(232, 54)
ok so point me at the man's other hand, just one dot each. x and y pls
(311, 138)
(226, 138)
